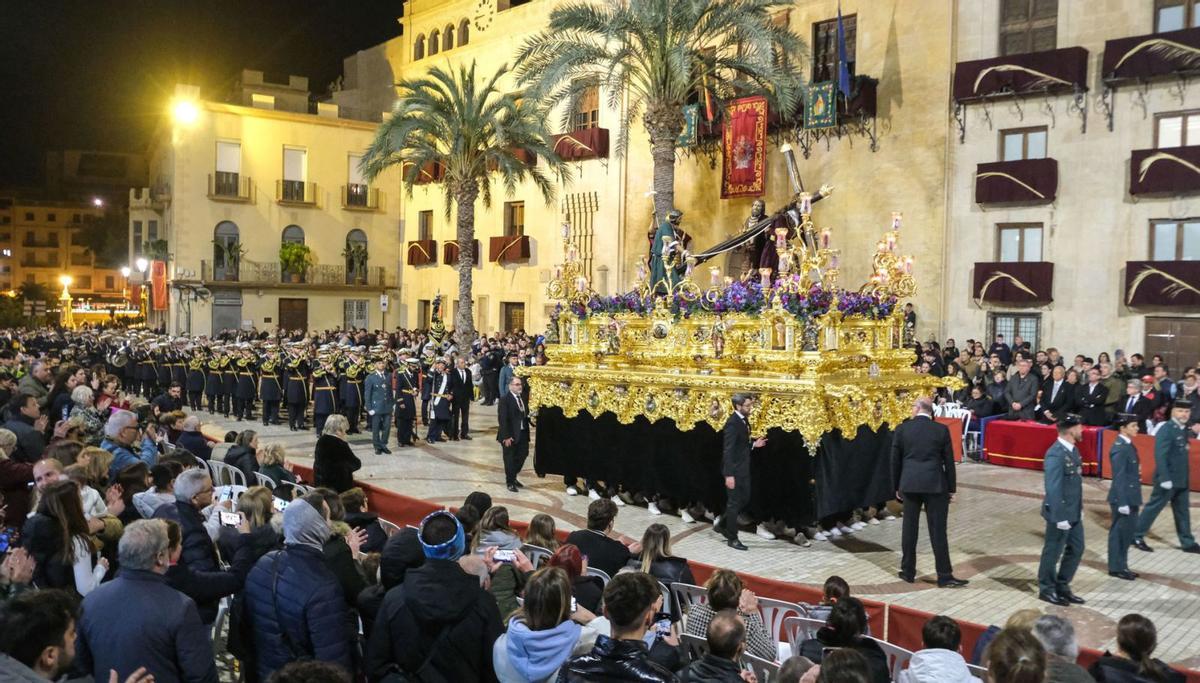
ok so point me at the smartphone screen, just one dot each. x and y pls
(230, 519)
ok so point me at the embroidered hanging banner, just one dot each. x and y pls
(1162, 283)
(1014, 284)
(745, 148)
(820, 109)
(158, 285)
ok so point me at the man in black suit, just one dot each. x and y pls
(462, 392)
(923, 469)
(1057, 396)
(513, 433)
(735, 466)
(1020, 395)
(1091, 400)
(1134, 403)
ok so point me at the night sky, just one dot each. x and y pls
(97, 74)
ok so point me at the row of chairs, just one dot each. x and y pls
(227, 475)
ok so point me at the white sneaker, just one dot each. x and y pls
(845, 529)
(617, 499)
(687, 519)
(820, 536)
(572, 491)
(874, 521)
(653, 509)
(593, 495)
(764, 533)
(858, 526)
(834, 533)
(717, 523)
(707, 515)
(889, 517)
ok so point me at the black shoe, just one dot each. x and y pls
(378, 452)
(512, 487)
(265, 423)
(430, 441)
(1192, 549)
(386, 450)
(465, 438)
(736, 544)
(952, 583)
(1053, 599)
(1140, 544)
(293, 428)
(1132, 573)
(1128, 576)
(906, 578)
(1071, 597)
(518, 484)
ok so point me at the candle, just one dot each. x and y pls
(581, 284)
(765, 275)
(833, 261)
(641, 270)
(908, 265)
(780, 238)
(572, 253)
(891, 241)
(785, 263)
(728, 280)
(714, 274)
(896, 215)
(805, 203)
(566, 230)
(825, 238)
(558, 271)
(880, 246)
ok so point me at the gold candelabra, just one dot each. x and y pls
(569, 284)
(891, 273)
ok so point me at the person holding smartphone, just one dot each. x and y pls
(735, 466)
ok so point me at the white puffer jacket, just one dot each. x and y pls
(937, 666)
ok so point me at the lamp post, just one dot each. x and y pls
(66, 316)
(125, 286)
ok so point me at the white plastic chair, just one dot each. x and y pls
(897, 657)
(264, 480)
(228, 474)
(604, 577)
(964, 415)
(800, 629)
(686, 596)
(695, 646)
(764, 670)
(977, 671)
(774, 612)
(537, 554)
(389, 528)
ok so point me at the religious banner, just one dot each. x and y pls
(1030, 181)
(691, 117)
(745, 148)
(1162, 283)
(820, 108)
(158, 285)
(1013, 283)
(1165, 171)
(422, 252)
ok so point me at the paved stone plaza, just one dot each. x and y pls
(995, 538)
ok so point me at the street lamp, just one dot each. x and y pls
(185, 112)
(97, 202)
(142, 264)
(66, 315)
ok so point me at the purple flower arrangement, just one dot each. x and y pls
(748, 298)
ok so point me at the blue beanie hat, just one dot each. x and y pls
(451, 549)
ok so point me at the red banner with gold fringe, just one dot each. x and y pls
(158, 285)
(744, 171)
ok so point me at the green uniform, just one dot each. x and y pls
(1125, 492)
(1063, 476)
(1170, 466)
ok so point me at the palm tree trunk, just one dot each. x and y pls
(663, 123)
(464, 203)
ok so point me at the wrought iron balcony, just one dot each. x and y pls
(230, 187)
(358, 197)
(255, 273)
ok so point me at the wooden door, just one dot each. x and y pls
(1177, 340)
(293, 314)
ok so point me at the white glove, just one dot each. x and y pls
(1063, 526)
(1166, 485)
(1124, 509)
(370, 412)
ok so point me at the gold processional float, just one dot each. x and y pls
(816, 357)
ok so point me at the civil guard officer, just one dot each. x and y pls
(1171, 479)
(1124, 496)
(1062, 509)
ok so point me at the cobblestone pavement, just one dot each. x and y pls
(995, 538)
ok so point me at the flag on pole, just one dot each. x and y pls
(843, 77)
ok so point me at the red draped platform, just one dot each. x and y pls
(1024, 444)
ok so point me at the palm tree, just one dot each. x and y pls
(657, 54)
(469, 129)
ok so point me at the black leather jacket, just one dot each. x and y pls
(615, 660)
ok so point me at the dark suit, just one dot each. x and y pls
(1091, 404)
(513, 419)
(1142, 407)
(462, 389)
(1021, 390)
(1057, 402)
(923, 470)
(1126, 491)
(735, 462)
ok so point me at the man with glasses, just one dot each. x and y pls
(121, 433)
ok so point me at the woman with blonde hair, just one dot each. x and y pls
(97, 461)
(494, 530)
(334, 463)
(1015, 656)
(257, 506)
(541, 532)
(14, 480)
(657, 560)
(273, 463)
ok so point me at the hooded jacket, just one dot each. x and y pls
(936, 666)
(525, 656)
(12, 671)
(147, 502)
(439, 618)
(244, 459)
(712, 669)
(502, 540)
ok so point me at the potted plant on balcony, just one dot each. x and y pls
(295, 259)
(156, 250)
(231, 257)
(356, 262)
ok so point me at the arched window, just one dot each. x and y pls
(464, 32)
(293, 234)
(448, 38)
(435, 41)
(419, 48)
(356, 257)
(227, 251)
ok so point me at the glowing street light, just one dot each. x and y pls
(185, 112)
(97, 202)
(142, 264)
(125, 271)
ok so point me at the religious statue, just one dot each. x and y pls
(667, 249)
(746, 255)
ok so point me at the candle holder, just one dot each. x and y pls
(891, 273)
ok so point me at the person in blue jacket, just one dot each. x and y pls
(1124, 496)
(294, 604)
(1062, 509)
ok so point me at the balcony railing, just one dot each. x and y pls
(357, 197)
(43, 243)
(296, 192)
(230, 187)
(257, 273)
(34, 263)
(81, 260)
